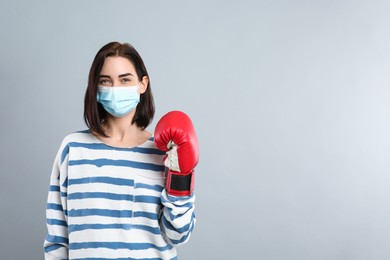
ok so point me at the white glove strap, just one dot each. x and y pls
(172, 161)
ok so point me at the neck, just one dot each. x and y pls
(120, 128)
(121, 133)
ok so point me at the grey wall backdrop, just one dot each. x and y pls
(290, 100)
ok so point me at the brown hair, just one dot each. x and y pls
(94, 113)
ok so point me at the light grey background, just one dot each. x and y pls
(290, 100)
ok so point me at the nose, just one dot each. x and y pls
(116, 82)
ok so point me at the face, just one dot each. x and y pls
(120, 72)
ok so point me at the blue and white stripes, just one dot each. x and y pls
(106, 202)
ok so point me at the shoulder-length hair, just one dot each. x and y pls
(94, 113)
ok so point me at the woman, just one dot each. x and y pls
(107, 196)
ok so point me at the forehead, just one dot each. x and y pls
(117, 66)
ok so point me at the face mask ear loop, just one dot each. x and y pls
(138, 88)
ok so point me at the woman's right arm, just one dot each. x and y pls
(56, 242)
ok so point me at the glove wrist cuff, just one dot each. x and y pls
(180, 184)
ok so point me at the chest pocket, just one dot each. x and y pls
(147, 202)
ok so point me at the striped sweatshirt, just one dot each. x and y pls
(106, 202)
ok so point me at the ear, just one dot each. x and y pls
(143, 84)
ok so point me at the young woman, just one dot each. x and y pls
(110, 194)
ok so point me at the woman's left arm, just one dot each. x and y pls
(175, 135)
(178, 217)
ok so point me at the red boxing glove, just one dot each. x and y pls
(175, 135)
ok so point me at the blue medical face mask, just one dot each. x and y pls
(118, 101)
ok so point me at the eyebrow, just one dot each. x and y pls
(120, 76)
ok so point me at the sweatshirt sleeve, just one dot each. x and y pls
(56, 242)
(178, 217)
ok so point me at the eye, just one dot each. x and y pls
(126, 80)
(104, 81)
